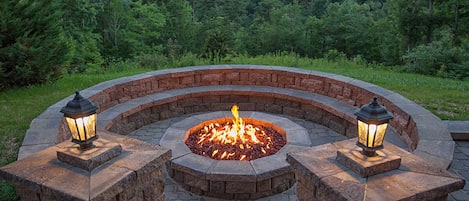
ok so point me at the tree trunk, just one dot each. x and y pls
(430, 22)
(456, 22)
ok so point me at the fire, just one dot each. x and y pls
(235, 140)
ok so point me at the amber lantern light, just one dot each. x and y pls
(80, 114)
(372, 120)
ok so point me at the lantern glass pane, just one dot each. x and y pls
(84, 128)
(362, 133)
(371, 135)
(90, 126)
(380, 132)
(72, 125)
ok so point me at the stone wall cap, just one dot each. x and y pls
(47, 173)
(413, 180)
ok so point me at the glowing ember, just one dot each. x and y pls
(235, 140)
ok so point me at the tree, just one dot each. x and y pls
(288, 28)
(218, 40)
(33, 46)
(277, 28)
(79, 24)
(347, 27)
(412, 21)
(456, 15)
(112, 22)
(265, 8)
(143, 31)
(386, 42)
(130, 28)
(314, 37)
(179, 32)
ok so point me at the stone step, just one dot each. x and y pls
(459, 129)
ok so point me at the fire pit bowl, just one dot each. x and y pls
(233, 179)
(236, 138)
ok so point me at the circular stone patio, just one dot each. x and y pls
(131, 103)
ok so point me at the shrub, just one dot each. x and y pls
(152, 60)
(335, 55)
(439, 58)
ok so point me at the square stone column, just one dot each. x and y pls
(135, 173)
(321, 177)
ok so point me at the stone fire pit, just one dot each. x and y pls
(129, 103)
(230, 179)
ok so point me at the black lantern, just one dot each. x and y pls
(372, 120)
(81, 117)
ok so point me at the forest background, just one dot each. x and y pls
(43, 40)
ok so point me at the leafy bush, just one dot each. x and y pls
(188, 59)
(152, 60)
(335, 55)
(439, 58)
(160, 61)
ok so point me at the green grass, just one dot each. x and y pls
(448, 99)
(21, 105)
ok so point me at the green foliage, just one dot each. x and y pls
(179, 31)
(277, 59)
(314, 44)
(347, 27)
(218, 40)
(410, 18)
(130, 28)
(89, 35)
(277, 28)
(79, 23)
(152, 61)
(33, 46)
(386, 43)
(143, 28)
(7, 192)
(334, 55)
(437, 59)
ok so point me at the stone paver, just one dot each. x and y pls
(460, 166)
(319, 135)
(459, 129)
(460, 132)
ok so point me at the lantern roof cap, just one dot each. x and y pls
(374, 113)
(79, 107)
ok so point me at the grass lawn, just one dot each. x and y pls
(448, 99)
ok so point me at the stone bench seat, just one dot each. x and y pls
(135, 113)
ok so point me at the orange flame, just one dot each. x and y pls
(237, 134)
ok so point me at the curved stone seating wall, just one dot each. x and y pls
(149, 109)
(131, 102)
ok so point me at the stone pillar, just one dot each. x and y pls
(320, 176)
(133, 173)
